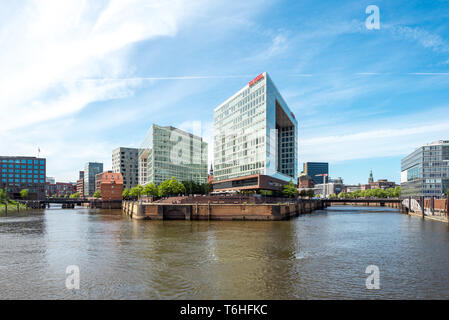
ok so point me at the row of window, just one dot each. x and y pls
(22, 180)
(24, 176)
(17, 166)
(24, 161)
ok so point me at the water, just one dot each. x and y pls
(319, 256)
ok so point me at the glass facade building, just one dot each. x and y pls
(170, 152)
(313, 168)
(255, 133)
(425, 172)
(90, 170)
(18, 173)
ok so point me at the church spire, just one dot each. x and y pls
(371, 179)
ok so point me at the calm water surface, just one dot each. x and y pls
(318, 256)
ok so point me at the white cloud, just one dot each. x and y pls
(53, 45)
(58, 57)
(383, 142)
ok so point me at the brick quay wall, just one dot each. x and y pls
(214, 211)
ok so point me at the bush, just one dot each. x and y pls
(97, 194)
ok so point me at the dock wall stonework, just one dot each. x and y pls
(153, 211)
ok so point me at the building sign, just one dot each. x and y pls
(260, 76)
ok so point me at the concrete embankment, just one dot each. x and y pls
(209, 211)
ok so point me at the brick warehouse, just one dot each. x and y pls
(110, 185)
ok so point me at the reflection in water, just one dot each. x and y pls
(322, 255)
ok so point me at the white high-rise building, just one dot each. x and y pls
(255, 139)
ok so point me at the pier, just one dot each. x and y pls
(220, 211)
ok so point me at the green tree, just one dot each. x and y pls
(397, 192)
(310, 193)
(125, 193)
(97, 194)
(3, 195)
(289, 190)
(75, 195)
(171, 187)
(136, 191)
(150, 190)
(332, 196)
(24, 193)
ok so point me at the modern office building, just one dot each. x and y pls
(110, 185)
(18, 173)
(425, 172)
(126, 162)
(313, 168)
(90, 170)
(170, 152)
(255, 139)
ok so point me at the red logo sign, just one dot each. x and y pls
(260, 76)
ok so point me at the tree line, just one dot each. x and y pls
(372, 193)
(169, 187)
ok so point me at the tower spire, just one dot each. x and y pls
(371, 179)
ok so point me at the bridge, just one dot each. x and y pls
(381, 201)
(72, 202)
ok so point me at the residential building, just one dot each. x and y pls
(110, 185)
(90, 170)
(329, 188)
(312, 169)
(170, 152)
(126, 162)
(60, 189)
(18, 173)
(255, 139)
(80, 187)
(379, 184)
(352, 188)
(50, 180)
(425, 171)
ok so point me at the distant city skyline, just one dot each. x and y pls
(363, 98)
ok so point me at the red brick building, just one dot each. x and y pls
(59, 189)
(305, 182)
(380, 184)
(110, 185)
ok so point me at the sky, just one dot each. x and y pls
(80, 78)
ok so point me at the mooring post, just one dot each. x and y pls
(447, 208)
(432, 205)
(421, 200)
(208, 210)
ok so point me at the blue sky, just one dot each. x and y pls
(80, 78)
